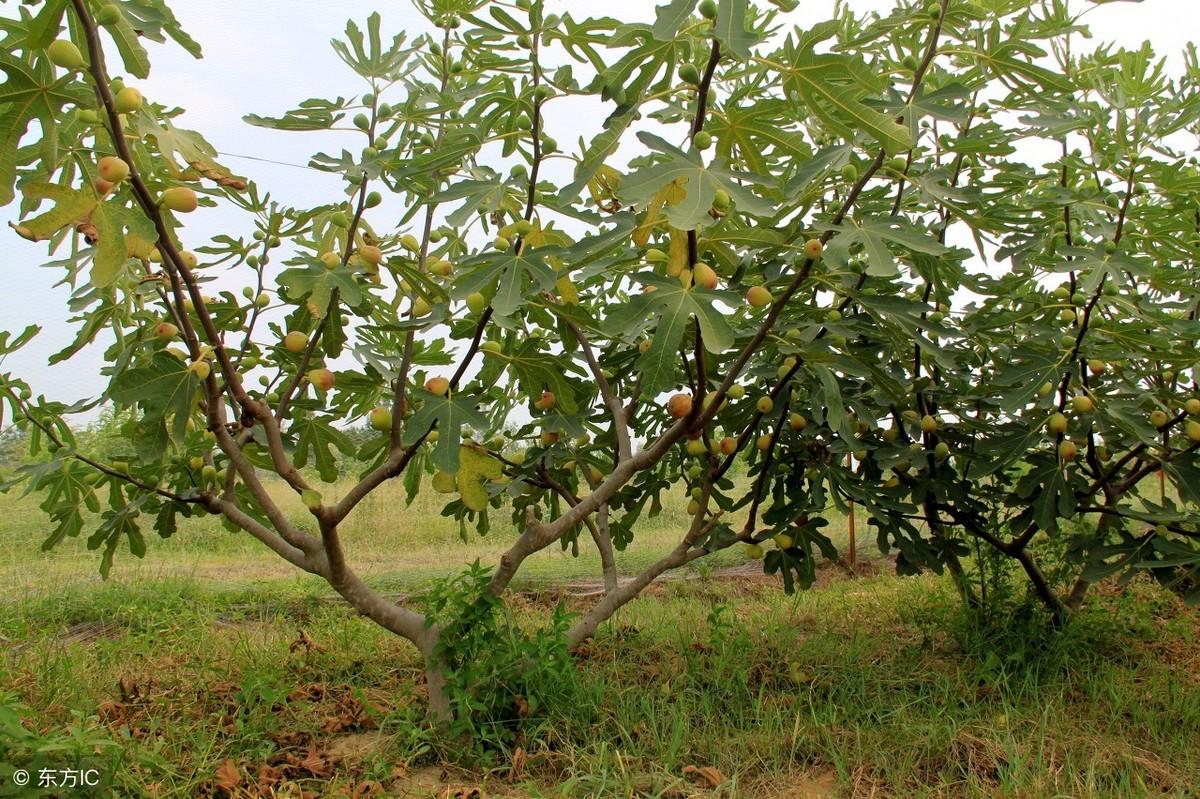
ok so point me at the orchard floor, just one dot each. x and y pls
(210, 669)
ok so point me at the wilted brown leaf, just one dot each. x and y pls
(704, 775)
(229, 776)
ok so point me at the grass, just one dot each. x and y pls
(211, 663)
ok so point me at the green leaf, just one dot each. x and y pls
(165, 391)
(537, 370)
(730, 28)
(449, 413)
(154, 20)
(317, 433)
(315, 281)
(31, 93)
(514, 275)
(832, 87)
(669, 18)
(671, 306)
(695, 182)
(594, 155)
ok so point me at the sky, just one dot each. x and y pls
(265, 56)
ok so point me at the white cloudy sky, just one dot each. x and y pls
(265, 55)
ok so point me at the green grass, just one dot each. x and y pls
(875, 686)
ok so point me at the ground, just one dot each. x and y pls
(212, 669)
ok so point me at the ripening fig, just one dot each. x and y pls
(693, 507)
(127, 99)
(813, 249)
(704, 275)
(166, 331)
(381, 419)
(65, 54)
(371, 254)
(437, 386)
(322, 379)
(765, 404)
(331, 260)
(764, 442)
(1159, 418)
(728, 445)
(549, 438)
(180, 199)
(476, 303)
(644, 345)
(102, 186)
(1057, 424)
(546, 402)
(679, 406)
(200, 369)
(112, 169)
(295, 341)
(797, 421)
(1193, 431)
(1083, 404)
(758, 296)
(189, 259)
(695, 447)
(442, 268)
(929, 424)
(1068, 450)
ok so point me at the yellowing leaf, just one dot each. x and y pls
(677, 253)
(475, 469)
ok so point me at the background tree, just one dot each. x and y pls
(939, 242)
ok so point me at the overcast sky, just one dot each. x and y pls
(263, 56)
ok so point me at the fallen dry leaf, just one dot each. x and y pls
(704, 775)
(229, 776)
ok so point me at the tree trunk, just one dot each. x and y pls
(440, 711)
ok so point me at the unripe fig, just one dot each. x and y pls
(708, 9)
(311, 499)
(437, 386)
(476, 303)
(112, 169)
(201, 369)
(1057, 424)
(420, 307)
(295, 341)
(737, 391)
(501, 243)
(929, 424)
(322, 379)
(689, 74)
(442, 268)
(655, 256)
(721, 203)
(765, 404)
(65, 54)
(1083, 404)
(108, 15)
(372, 199)
(410, 242)
(1159, 418)
(1193, 431)
(492, 347)
(262, 300)
(1192, 406)
(362, 121)
(695, 447)
(783, 540)
(1045, 389)
(127, 100)
(679, 406)
(753, 551)
(180, 199)
(941, 451)
(381, 419)
(702, 140)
